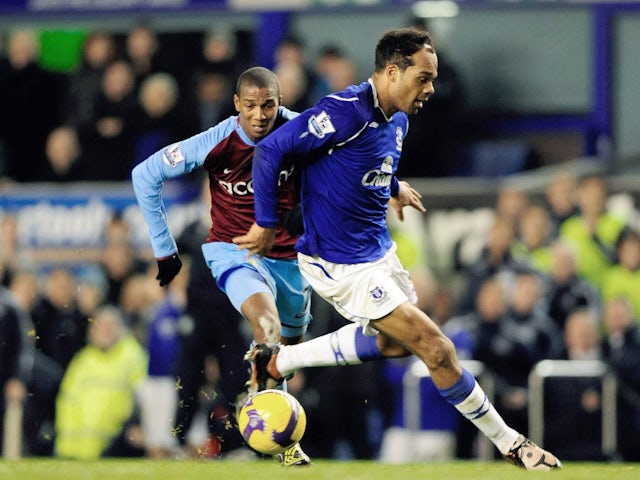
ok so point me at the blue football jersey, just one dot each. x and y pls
(349, 150)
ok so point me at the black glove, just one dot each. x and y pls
(168, 268)
(292, 220)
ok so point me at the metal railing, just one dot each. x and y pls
(571, 369)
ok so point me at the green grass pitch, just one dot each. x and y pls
(48, 469)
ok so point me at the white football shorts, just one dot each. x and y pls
(362, 291)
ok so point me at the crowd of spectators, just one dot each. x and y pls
(124, 99)
(558, 279)
(105, 362)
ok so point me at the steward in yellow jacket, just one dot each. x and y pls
(98, 392)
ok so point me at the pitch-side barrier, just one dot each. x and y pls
(571, 369)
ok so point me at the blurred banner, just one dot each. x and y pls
(72, 217)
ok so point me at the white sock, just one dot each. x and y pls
(335, 348)
(477, 408)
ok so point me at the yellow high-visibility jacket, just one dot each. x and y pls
(97, 396)
(591, 262)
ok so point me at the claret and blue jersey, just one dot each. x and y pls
(226, 153)
(350, 151)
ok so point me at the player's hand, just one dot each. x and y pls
(407, 196)
(168, 268)
(292, 220)
(258, 240)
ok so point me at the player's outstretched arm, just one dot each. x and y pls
(407, 196)
(148, 178)
(257, 241)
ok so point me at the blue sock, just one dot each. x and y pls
(366, 346)
(458, 392)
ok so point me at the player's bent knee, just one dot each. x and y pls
(394, 351)
(391, 349)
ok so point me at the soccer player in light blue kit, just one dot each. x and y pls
(351, 143)
(269, 292)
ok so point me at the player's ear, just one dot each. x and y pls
(392, 71)
(236, 102)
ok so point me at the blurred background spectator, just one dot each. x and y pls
(63, 157)
(213, 91)
(430, 147)
(107, 138)
(298, 80)
(526, 311)
(98, 51)
(561, 198)
(531, 246)
(158, 394)
(335, 70)
(119, 263)
(28, 378)
(593, 231)
(621, 350)
(573, 405)
(622, 279)
(60, 327)
(144, 53)
(97, 400)
(494, 260)
(38, 373)
(511, 204)
(219, 54)
(138, 296)
(31, 100)
(567, 292)
(160, 119)
(293, 85)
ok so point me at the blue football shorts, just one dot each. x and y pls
(240, 277)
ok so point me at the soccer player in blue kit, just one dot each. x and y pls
(350, 143)
(269, 292)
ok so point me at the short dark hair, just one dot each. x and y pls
(398, 45)
(260, 77)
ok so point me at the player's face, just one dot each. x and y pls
(413, 86)
(257, 110)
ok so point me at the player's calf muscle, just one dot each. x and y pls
(439, 353)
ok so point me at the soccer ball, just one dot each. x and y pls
(272, 421)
